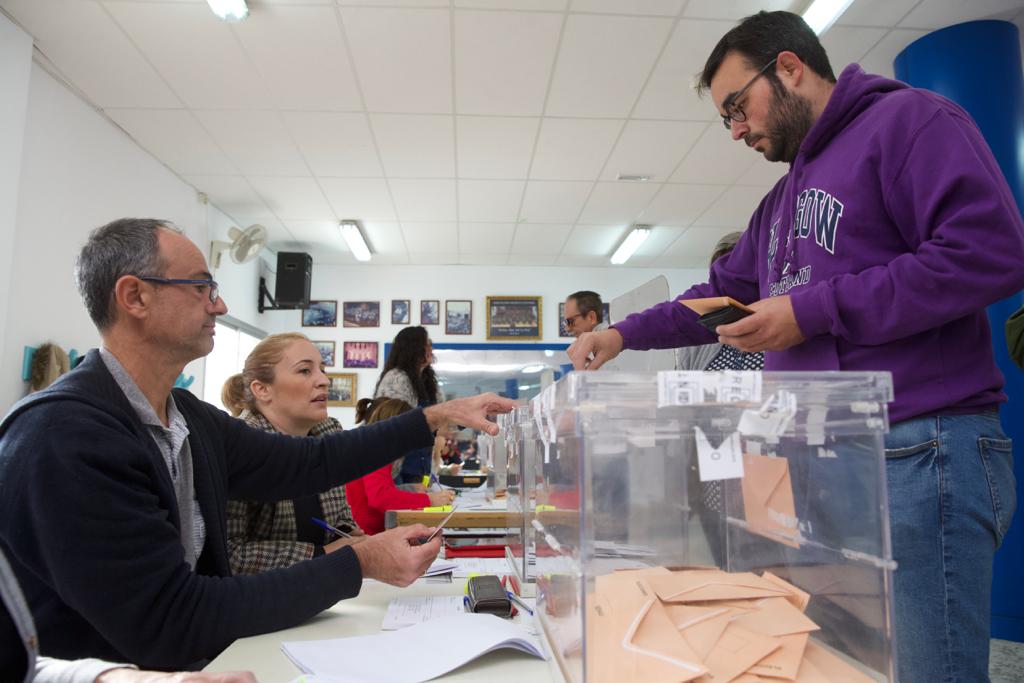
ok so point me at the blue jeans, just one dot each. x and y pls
(951, 498)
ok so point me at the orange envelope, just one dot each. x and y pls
(776, 617)
(700, 626)
(784, 662)
(796, 597)
(702, 306)
(821, 666)
(704, 586)
(768, 498)
(735, 652)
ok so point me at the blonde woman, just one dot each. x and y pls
(283, 388)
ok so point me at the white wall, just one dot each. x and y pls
(76, 171)
(384, 283)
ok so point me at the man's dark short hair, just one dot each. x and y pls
(760, 38)
(587, 301)
(127, 246)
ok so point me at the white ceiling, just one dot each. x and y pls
(456, 131)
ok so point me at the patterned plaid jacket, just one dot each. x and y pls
(261, 536)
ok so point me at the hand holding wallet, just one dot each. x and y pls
(718, 310)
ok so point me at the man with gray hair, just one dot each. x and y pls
(584, 312)
(115, 485)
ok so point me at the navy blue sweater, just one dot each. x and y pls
(89, 521)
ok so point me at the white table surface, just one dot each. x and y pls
(363, 615)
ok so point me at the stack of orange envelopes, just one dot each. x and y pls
(705, 625)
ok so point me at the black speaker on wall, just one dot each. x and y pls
(294, 276)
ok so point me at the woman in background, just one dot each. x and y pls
(283, 388)
(374, 494)
(407, 376)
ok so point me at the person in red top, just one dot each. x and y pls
(372, 495)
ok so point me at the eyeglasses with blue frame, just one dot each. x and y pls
(212, 284)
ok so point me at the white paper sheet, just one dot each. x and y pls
(406, 611)
(426, 649)
(480, 565)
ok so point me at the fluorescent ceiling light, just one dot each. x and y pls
(629, 245)
(354, 240)
(823, 13)
(524, 387)
(229, 10)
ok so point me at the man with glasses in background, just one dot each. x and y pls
(584, 312)
(115, 487)
(879, 250)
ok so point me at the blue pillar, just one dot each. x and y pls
(978, 66)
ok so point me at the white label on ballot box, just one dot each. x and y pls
(723, 462)
(680, 388)
(683, 388)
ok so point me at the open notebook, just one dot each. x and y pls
(426, 650)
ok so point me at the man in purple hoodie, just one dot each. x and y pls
(879, 250)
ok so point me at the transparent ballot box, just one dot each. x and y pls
(494, 455)
(713, 526)
(518, 430)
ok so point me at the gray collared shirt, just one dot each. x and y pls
(172, 441)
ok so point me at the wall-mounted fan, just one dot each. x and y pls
(244, 245)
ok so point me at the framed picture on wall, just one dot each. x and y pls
(361, 313)
(458, 316)
(563, 328)
(514, 317)
(400, 311)
(342, 390)
(326, 349)
(430, 312)
(359, 354)
(320, 314)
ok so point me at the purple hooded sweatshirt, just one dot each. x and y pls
(892, 232)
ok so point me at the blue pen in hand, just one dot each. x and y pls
(325, 525)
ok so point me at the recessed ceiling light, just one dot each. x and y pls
(823, 13)
(229, 10)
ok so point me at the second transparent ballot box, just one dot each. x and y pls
(714, 526)
(518, 430)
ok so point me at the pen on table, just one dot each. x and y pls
(325, 525)
(522, 605)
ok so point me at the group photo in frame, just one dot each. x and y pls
(360, 354)
(430, 312)
(361, 313)
(320, 314)
(458, 316)
(563, 329)
(514, 317)
(341, 392)
(400, 311)
(327, 350)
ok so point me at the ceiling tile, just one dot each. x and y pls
(322, 236)
(478, 238)
(256, 141)
(846, 44)
(532, 259)
(737, 9)
(415, 146)
(548, 5)
(486, 258)
(490, 200)
(447, 258)
(89, 48)
(301, 56)
(582, 260)
(591, 79)
(424, 200)
(764, 174)
(680, 204)
(492, 147)
(394, 3)
(402, 57)
(359, 199)
(384, 238)
(293, 198)
(669, 93)
(733, 209)
(933, 14)
(573, 149)
(880, 59)
(652, 148)
(548, 201)
(335, 144)
(715, 158)
(231, 194)
(209, 70)
(431, 238)
(174, 137)
(540, 238)
(503, 61)
(692, 249)
(618, 203)
(594, 240)
(661, 237)
(664, 8)
(883, 13)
